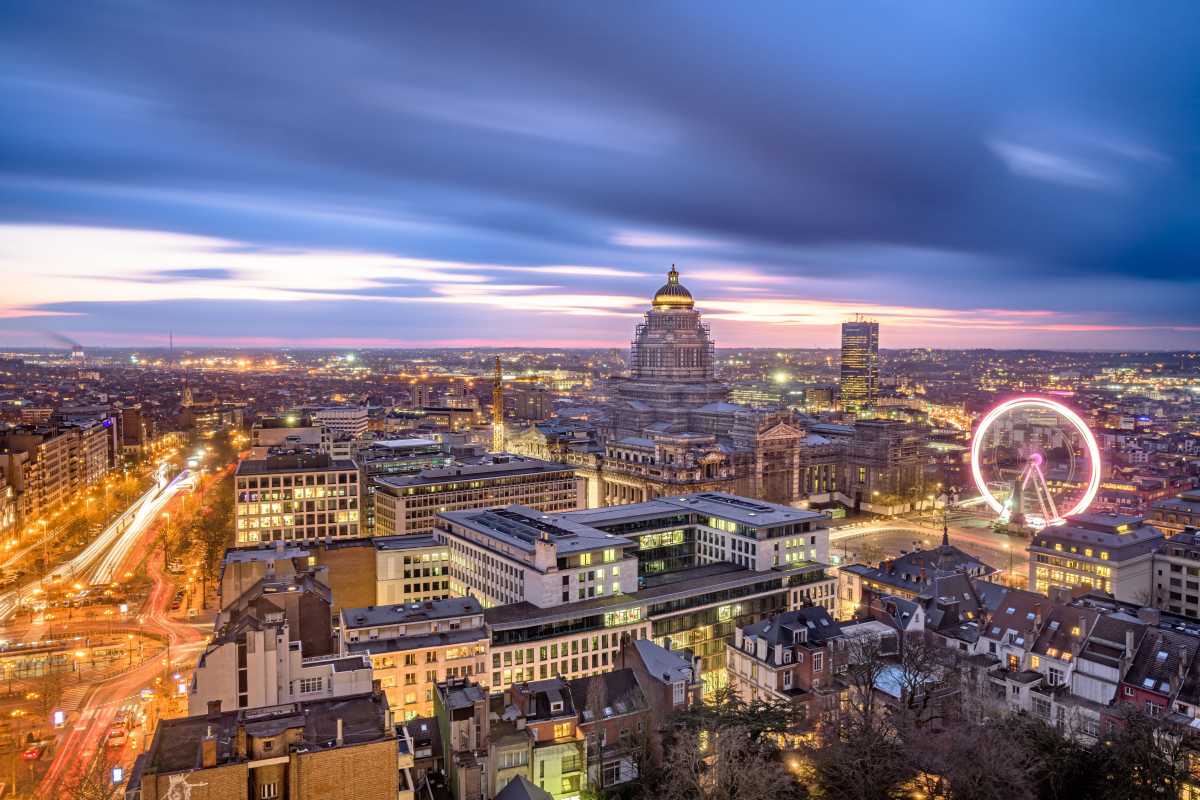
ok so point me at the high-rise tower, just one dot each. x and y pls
(498, 410)
(860, 364)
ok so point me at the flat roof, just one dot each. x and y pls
(308, 462)
(751, 512)
(402, 443)
(394, 644)
(413, 542)
(177, 741)
(460, 472)
(263, 553)
(403, 613)
(671, 586)
(521, 526)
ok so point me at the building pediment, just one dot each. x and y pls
(781, 430)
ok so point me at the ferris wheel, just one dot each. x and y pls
(1035, 461)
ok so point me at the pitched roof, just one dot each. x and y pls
(520, 788)
(1058, 636)
(1161, 660)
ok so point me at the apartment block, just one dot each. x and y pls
(275, 645)
(415, 646)
(797, 657)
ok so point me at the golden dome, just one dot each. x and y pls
(673, 294)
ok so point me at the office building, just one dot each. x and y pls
(1112, 553)
(413, 647)
(564, 589)
(344, 422)
(409, 504)
(394, 457)
(1177, 574)
(1176, 514)
(860, 365)
(296, 496)
(411, 569)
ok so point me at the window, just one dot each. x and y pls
(818, 661)
(562, 730)
(268, 791)
(678, 692)
(310, 685)
(787, 679)
(1034, 662)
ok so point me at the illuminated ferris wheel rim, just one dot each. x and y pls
(1050, 405)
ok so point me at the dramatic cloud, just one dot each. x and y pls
(298, 172)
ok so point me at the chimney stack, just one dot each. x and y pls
(208, 748)
(340, 739)
(214, 711)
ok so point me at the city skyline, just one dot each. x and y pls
(423, 186)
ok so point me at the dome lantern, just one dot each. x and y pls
(673, 294)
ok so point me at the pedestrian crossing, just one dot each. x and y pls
(71, 698)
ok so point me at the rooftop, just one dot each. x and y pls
(293, 461)
(753, 513)
(522, 527)
(404, 613)
(176, 744)
(412, 542)
(1123, 537)
(660, 588)
(510, 465)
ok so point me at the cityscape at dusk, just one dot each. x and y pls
(549, 401)
(514, 174)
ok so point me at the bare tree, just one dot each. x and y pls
(93, 781)
(725, 765)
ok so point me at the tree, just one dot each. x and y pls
(758, 718)
(729, 764)
(93, 781)
(858, 758)
(1144, 757)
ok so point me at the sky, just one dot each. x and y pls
(1018, 174)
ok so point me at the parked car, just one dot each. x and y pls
(33, 752)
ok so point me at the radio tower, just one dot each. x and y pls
(498, 411)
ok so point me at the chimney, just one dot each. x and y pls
(340, 738)
(208, 748)
(1129, 642)
(239, 742)
(214, 711)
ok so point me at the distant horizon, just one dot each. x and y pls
(6, 348)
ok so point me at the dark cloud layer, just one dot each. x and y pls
(1019, 155)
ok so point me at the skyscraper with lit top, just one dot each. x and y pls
(860, 364)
